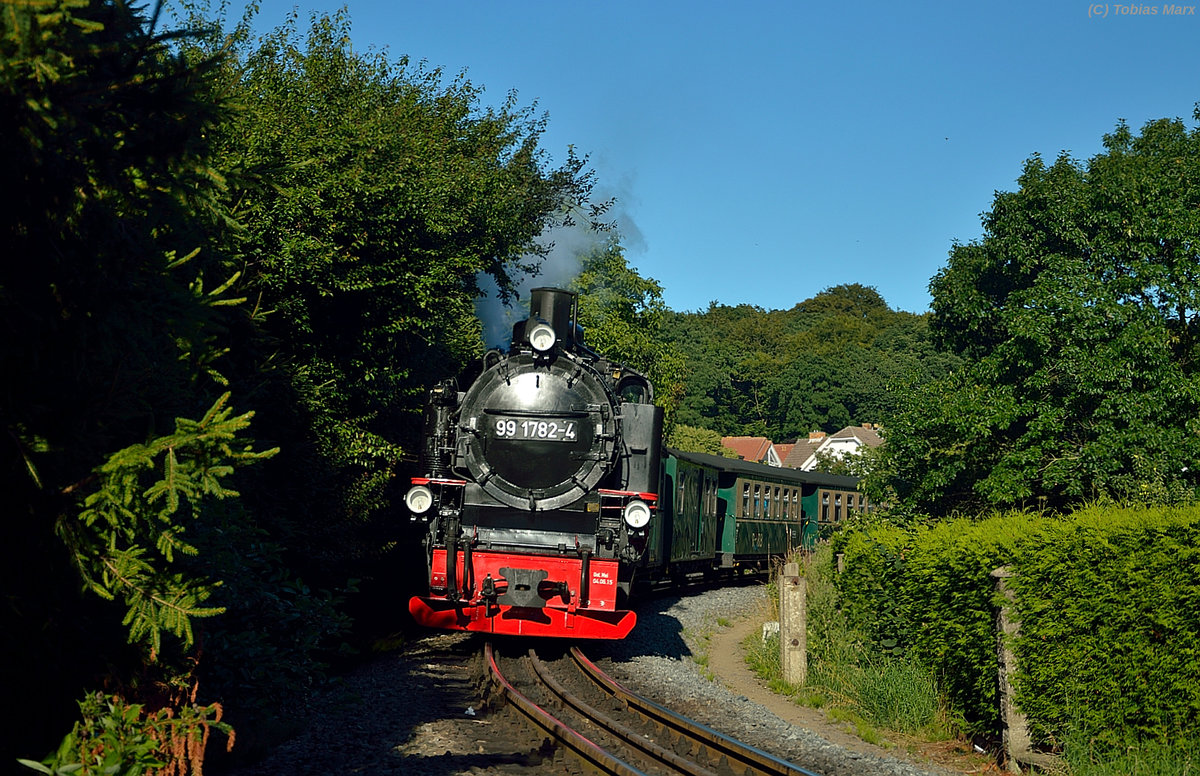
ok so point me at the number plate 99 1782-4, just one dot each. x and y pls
(536, 430)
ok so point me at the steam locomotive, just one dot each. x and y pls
(545, 490)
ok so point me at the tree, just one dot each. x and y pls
(710, 363)
(1076, 315)
(374, 194)
(691, 439)
(114, 302)
(857, 464)
(834, 360)
(622, 314)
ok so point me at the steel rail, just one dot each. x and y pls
(582, 746)
(751, 758)
(627, 735)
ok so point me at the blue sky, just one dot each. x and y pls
(763, 151)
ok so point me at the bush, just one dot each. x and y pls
(115, 736)
(871, 587)
(1110, 611)
(895, 692)
(1109, 605)
(950, 599)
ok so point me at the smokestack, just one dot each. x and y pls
(556, 307)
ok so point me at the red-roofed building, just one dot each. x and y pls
(755, 449)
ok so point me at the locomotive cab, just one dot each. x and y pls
(540, 485)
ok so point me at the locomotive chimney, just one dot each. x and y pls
(556, 307)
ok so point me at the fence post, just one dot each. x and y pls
(793, 626)
(1018, 747)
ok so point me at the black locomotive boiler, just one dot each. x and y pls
(538, 485)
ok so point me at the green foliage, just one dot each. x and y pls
(950, 600)
(872, 587)
(899, 694)
(374, 196)
(831, 361)
(623, 315)
(107, 332)
(691, 439)
(1106, 599)
(1110, 605)
(125, 537)
(265, 676)
(1148, 758)
(926, 591)
(1076, 318)
(857, 464)
(114, 736)
(846, 675)
(116, 300)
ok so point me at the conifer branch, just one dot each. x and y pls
(133, 523)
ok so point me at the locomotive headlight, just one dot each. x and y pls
(542, 337)
(637, 514)
(419, 500)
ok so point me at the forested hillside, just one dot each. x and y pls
(837, 359)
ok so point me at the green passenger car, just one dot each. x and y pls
(719, 512)
(690, 535)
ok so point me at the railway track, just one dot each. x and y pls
(611, 730)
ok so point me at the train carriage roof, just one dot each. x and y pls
(764, 472)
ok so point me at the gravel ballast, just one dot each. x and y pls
(657, 661)
(397, 714)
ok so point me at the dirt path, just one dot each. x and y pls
(726, 660)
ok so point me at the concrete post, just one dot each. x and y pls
(1018, 747)
(793, 625)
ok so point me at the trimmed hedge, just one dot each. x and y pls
(1109, 603)
(870, 587)
(1110, 626)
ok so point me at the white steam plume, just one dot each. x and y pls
(557, 269)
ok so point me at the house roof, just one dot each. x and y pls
(802, 451)
(749, 448)
(865, 436)
(803, 455)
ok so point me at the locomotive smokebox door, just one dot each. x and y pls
(539, 437)
(541, 428)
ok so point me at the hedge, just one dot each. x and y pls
(1110, 617)
(1109, 604)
